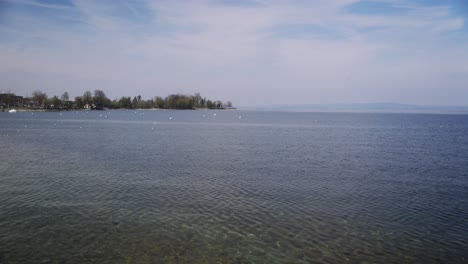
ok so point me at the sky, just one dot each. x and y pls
(251, 52)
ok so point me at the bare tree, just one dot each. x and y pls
(99, 98)
(39, 97)
(65, 97)
(87, 97)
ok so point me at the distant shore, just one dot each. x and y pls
(99, 101)
(20, 109)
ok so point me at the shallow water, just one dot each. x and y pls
(235, 187)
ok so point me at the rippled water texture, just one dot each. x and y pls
(235, 187)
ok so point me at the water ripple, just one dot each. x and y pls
(343, 189)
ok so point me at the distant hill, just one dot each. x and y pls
(365, 108)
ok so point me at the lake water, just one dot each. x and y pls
(233, 187)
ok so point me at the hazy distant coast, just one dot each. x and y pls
(364, 108)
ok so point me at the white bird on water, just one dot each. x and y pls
(170, 118)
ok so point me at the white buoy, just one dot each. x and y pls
(170, 118)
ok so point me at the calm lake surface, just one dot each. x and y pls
(233, 187)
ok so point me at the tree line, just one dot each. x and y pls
(98, 100)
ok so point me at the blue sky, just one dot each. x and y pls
(250, 52)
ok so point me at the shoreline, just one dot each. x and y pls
(5, 110)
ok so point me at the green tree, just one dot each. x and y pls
(210, 104)
(79, 103)
(114, 104)
(8, 99)
(179, 101)
(47, 103)
(55, 102)
(159, 102)
(125, 102)
(145, 104)
(100, 100)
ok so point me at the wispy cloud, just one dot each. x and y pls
(291, 51)
(37, 4)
